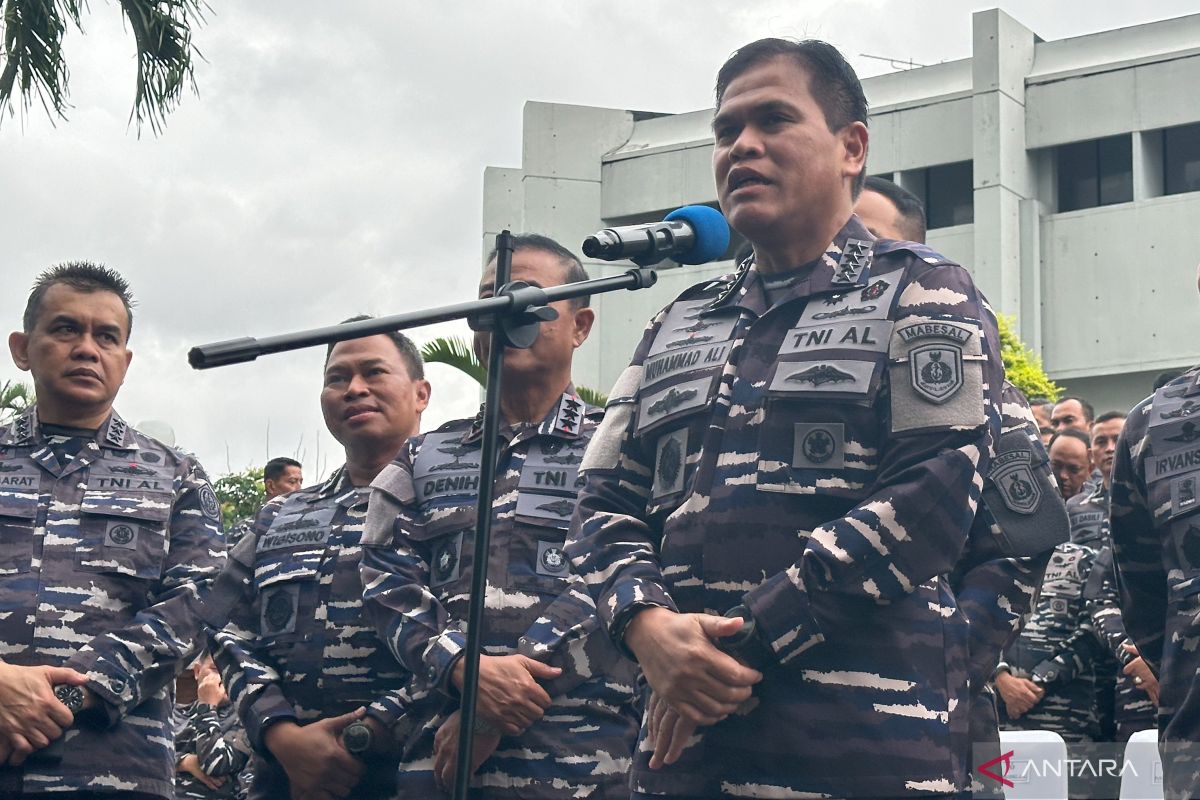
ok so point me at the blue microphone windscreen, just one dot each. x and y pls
(712, 233)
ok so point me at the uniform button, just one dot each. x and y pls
(432, 673)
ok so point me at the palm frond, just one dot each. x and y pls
(162, 30)
(32, 60)
(33, 57)
(591, 396)
(454, 352)
(15, 397)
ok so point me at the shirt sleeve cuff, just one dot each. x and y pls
(440, 657)
(782, 615)
(619, 608)
(268, 708)
(114, 692)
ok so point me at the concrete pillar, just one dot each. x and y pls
(1002, 57)
(1147, 165)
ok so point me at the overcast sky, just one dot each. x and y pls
(333, 162)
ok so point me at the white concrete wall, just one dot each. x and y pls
(1122, 283)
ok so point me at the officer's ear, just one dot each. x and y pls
(18, 346)
(421, 393)
(853, 138)
(584, 319)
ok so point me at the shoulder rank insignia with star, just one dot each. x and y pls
(569, 412)
(856, 258)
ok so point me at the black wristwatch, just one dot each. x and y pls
(746, 644)
(70, 696)
(358, 738)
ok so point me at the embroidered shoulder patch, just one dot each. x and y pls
(936, 370)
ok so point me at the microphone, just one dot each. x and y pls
(688, 235)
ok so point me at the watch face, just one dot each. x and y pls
(70, 696)
(357, 737)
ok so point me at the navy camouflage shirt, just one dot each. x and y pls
(819, 460)
(108, 546)
(417, 568)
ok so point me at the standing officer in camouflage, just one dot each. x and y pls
(109, 541)
(300, 659)
(1156, 546)
(1048, 678)
(555, 696)
(790, 468)
(1128, 687)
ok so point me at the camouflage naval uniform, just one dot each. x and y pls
(1156, 544)
(300, 648)
(215, 735)
(109, 542)
(820, 461)
(1059, 648)
(1021, 519)
(417, 567)
(1131, 707)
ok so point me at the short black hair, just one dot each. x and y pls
(1073, 433)
(832, 82)
(1109, 416)
(82, 276)
(1089, 413)
(409, 354)
(573, 271)
(908, 206)
(275, 468)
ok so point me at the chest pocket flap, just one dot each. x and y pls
(124, 516)
(18, 514)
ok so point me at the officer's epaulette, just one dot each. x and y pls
(921, 251)
(1185, 385)
(460, 424)
(145, 441)
(711, 288)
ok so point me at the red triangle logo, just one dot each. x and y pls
(1007, 759)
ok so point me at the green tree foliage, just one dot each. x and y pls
(454, 352)
(241, 494)
(592, 396)
(32, 60)
(15, 397)
(1022, 366)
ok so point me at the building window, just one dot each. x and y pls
(1098, 172)
(1181, 159)
(949, 195)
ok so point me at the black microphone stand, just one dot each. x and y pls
(513, 315)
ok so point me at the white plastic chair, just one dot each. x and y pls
(1038, 766)
(1142, 777)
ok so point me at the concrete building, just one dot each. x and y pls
(1064, 174)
